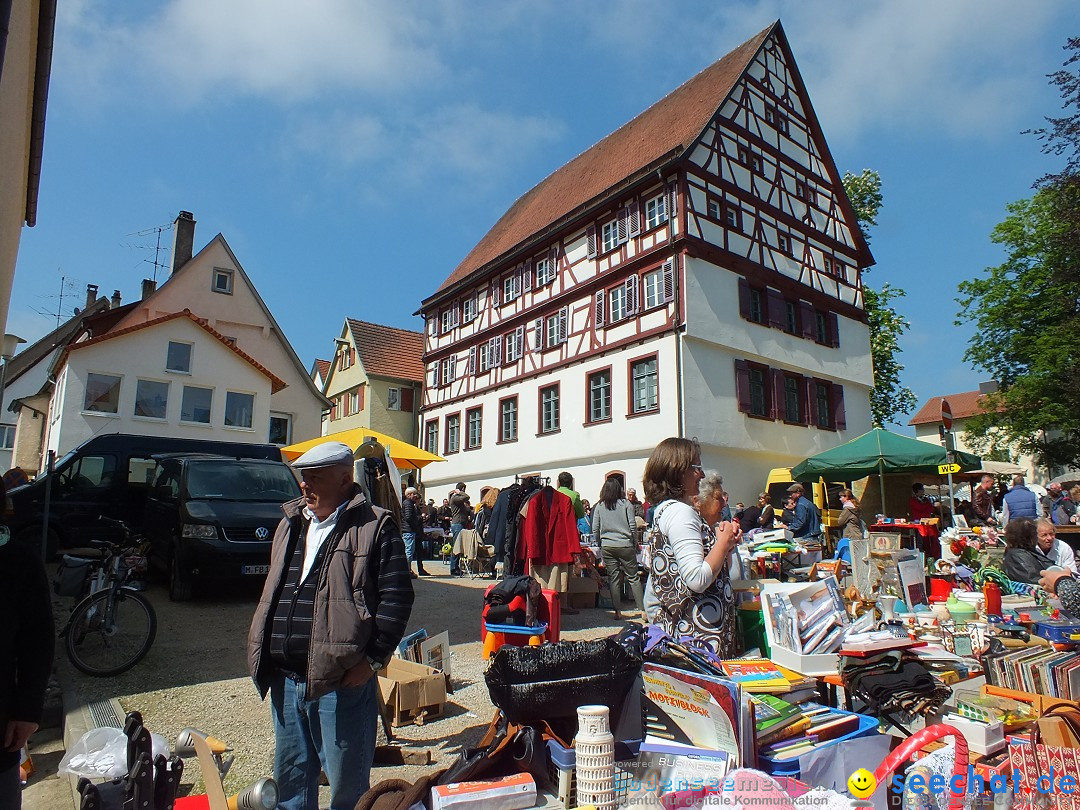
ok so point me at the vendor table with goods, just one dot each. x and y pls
(924, 536)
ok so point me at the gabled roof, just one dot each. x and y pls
(322, 368)
(39, 350)
(962, 405)
(276, 384)
(386, 351)
(258, 298)
(666, 129)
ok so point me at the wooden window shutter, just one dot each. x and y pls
(804, 407)
(352, 356)
(473, 368)
(671, 204)
(407, 398)
(776, 309)
(623, 225)
(834, 330)
(744, 299)
(807, 320)
(436, 374)
(527, 276)
(590, 241)
(564, 315)
(496, 351)
(538, 334)
(633, 213)
(742, 385)
(839, 416)
(598, 308)
(811, 400)
(779, 411)
(360, 396)
(669, 280)
(519, 342)
(631, 289)
(553, 257)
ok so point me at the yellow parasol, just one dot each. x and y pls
(404, 455)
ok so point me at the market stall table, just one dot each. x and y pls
(925, 535)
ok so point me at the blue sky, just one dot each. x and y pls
(353, 152)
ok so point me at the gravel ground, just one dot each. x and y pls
(196, 675)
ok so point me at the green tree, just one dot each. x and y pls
(889, 397)
(1027, 309)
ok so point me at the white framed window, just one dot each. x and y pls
(609, 236)
(280, 428)
(654, 288)
(644, 385)
(713, 208)
(474, 425)
(600, 395)
(239, 409)
(555, 326)
(617, 300)
(549, 409)
(393, 399)
(545, 271)
(151, 399)
(656, 212)
(7, 437)
(196, 404)
(489, 352)
(222, 281)
(508, 413)
(431, 437)
(354, 402)
(453, 433)
(451, 318)
(468, 309)
(178, 357)
(102, 393)
(511, 288)
(432, 326)
(448, 370)
(515, 344)
(783, 242)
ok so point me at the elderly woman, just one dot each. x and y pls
(1023, 562)
(689, 589)
(614, 529)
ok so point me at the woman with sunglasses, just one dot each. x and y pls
(689, 589)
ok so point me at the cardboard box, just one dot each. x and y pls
(582, 592)
(411, 692)
(821, 664)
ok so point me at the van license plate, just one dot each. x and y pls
(254, 569)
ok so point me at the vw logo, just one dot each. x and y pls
(262, 533)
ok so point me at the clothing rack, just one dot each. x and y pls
(544, 481)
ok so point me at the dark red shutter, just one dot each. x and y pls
(777, 399)
(804, 406)
(776, 309)
(808, 320)
(744, 299)
(811, 401)
(742, 385)
(407, 399)
(834, 330)
(839, 416)
(360, 391)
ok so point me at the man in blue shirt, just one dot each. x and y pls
(807, 522)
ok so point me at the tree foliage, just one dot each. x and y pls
(889, 397)
(1027, 313)
(1062, 136)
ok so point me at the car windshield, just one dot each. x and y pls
(231, 480)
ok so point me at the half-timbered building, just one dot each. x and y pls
(695, 273)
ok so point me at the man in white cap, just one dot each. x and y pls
(333, 609)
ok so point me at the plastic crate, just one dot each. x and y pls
(790, 766)
(563, 761)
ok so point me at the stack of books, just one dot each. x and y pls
(813, 726)
(762, 676)
(1041, 670)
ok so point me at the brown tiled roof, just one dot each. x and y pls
(668, 127)
(962, 405)
(276, 383)
(386, 351)
(323, 367)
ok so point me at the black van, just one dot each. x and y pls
(213, 517)
(107, 475)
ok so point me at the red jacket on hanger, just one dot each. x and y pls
(549, 534)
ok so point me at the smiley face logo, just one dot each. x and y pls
(861, 784)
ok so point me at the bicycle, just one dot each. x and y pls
(113, 627)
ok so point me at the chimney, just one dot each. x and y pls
(148, 287)
(91, 295)
(183, 239)
(115, 303)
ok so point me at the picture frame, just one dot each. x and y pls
(884, 541)
(960, 522)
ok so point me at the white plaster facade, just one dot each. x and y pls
(239, 312)
(141, 355)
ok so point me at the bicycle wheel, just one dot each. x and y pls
(110, 632)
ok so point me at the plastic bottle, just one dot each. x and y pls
(992, 598)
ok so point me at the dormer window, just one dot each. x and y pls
(223, 281)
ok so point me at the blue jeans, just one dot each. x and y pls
(409, 538)
(455, 559)
(335, 733)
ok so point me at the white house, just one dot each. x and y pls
(171, 376)
(695, 273)
(214, 286)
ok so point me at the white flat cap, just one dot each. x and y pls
(327, 454)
